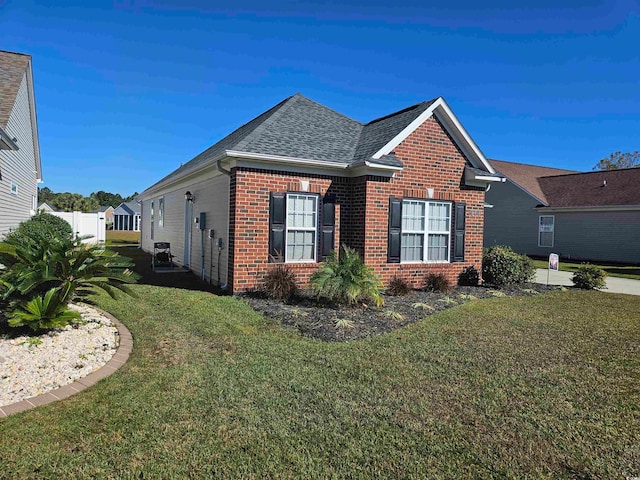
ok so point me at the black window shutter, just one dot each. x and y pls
(395, 230)
(327, 227)
(277, 219)
(458, 241)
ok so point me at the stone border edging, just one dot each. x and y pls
(121, 356)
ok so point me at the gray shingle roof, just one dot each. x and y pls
(128, 208)
(377, 133)
(12, 69)
(301, 128)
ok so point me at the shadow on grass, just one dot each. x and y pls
(184, 280)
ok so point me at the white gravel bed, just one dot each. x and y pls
(31, 366)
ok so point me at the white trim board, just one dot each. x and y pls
(454, 128)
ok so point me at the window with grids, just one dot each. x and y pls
(545, 230)
(302, 221)
(426, 231)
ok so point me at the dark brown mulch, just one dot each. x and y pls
(330, 322)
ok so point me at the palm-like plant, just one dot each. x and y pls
(65, 266)
(346, 279)
(42, 312)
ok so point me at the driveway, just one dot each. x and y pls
(614, 284)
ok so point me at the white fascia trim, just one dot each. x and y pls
(378, 166)
(34, 122)
(286, 160)
(454, 128)
(408, 130)
(602, 208)
(184, 180)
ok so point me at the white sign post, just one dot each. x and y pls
(554, 264)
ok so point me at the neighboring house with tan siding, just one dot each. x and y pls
(405, 190)
(20, 167)
(581, 216)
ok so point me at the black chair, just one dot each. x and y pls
(162, 256)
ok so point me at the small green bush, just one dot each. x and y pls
(589, 277)
(346, 279)
(40, 227)
(279, 283)
(398, 287)
(502, 266)
(469, 277)
(437, 282)
(40, 277)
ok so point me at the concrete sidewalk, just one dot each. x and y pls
(614, 284)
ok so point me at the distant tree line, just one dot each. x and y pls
(74, 202)
(619, 160)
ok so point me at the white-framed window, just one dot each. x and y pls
(546, 225)
(14, 189)
(161, 212)
(301, 227)
(426, 231)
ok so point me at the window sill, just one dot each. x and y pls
(432, 262)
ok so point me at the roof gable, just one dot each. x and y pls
(454, 128)
(526, 176)
(128, 208)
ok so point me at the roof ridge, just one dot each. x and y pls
(593, 172)
(533, 165)
(400, 111)
(16, 53)
(271, 115)
(299, 95)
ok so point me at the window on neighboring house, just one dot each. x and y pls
(545, 230)
(14, 189)
(426, 231)
(161, 212)
(301, 228)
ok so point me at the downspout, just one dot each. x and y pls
(228, 174)
(222, 170)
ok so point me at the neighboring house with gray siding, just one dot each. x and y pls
(581, 216)
(20, 167)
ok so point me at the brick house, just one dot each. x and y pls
(406, 191)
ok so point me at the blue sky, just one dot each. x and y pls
(127, 90)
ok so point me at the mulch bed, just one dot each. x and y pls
(320, 319)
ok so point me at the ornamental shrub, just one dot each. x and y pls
(589, 277)
(41, 277)
(502, 266)
(398, 287)
(469, 277)
(437, 282)
(40, 227)
(279, 283)
(344, 278)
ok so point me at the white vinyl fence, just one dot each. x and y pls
(86, 224)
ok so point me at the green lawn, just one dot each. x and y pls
(624, 271)
(122, 237)
(537, 387)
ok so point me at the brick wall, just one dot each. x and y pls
(431, 160)
(249, 220)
